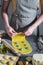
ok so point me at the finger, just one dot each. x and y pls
(14, 34)
(27, 33)
(10, 34)
(13, 31)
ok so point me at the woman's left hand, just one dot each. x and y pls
(28, 31)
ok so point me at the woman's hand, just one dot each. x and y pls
(29, 31)
(10, 31)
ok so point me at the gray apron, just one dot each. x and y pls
(26, 11)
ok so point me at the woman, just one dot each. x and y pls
(23, 16)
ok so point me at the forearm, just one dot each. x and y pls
(40, 19)
(5, 18)
(38, 22)
(5, 6)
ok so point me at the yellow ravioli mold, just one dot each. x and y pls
(20, 44)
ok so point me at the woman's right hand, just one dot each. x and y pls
(10, 31)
